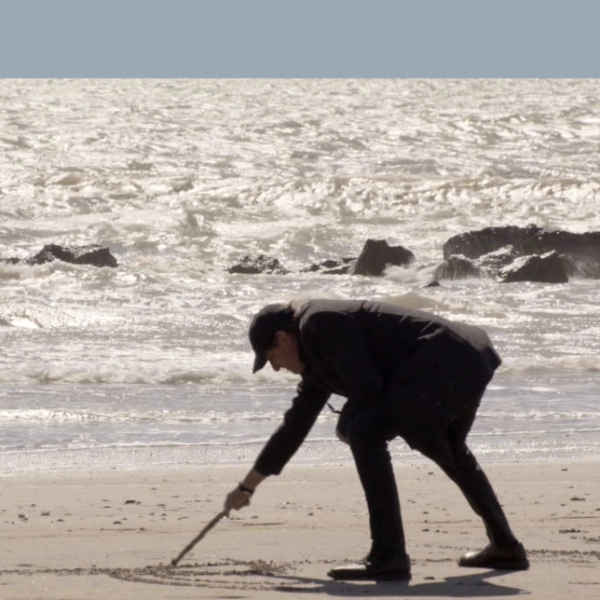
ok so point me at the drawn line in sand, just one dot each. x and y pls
(229, 574)
(257, 575)
(261, 576)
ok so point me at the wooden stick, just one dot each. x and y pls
(206, 529)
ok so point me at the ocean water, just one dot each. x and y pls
(149, 364)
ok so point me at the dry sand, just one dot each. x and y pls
(111, 536)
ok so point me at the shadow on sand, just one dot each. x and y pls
(462, 586)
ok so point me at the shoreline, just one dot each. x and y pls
(313, 454)
(70, 536)
(102, 427)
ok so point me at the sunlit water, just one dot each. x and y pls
(149, 363)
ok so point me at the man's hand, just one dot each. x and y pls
(237, 499)
(240, 496)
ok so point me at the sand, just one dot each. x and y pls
(113, 535)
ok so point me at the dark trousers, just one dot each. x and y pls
(369, 433)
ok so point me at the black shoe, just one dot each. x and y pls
(391, 569)
(510, 558)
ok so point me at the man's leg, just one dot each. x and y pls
(451, 453)
(369, 445)
(368, 436)
(456, 460)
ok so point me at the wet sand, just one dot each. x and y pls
(113, 535)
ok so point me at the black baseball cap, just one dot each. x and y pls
(271, 318)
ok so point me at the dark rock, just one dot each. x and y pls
(508, 253)
(457, 267)
(333, 267)
(566, 242)
(547, 268)
(492, 262)
(474, 244)
(97, 256)
(376, 255)
(260, 264)
(580, 251)
(488, 265)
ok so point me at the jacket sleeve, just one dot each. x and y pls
(340, 341)
(297, 423)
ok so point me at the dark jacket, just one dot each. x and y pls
(420, 370)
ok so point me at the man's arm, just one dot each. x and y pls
(297, 423)
(282, 445)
